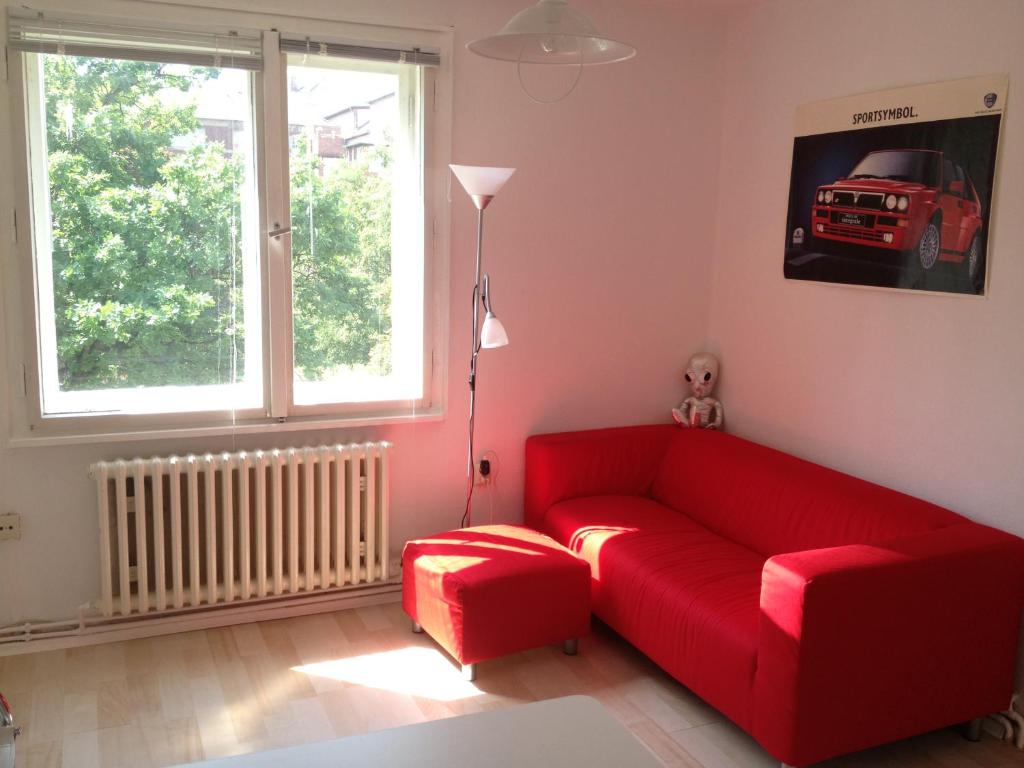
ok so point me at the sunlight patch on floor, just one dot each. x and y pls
(423, 672)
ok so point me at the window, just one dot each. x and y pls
(948, 175)
(145, 235)
(357, 280)
(225, 223)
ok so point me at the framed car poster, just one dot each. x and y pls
(894, 189)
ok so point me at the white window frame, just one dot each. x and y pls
(413, 87)
(130, 401)
(28, 425)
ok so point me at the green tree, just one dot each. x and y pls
(341, 263)
(144, 237)
(147, 231)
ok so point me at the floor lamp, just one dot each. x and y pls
(482, 184)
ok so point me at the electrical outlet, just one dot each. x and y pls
(10, 526)
(486, 468)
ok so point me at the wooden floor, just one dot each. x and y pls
(191, 696)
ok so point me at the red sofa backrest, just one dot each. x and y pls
(594, 462)
(772, 502)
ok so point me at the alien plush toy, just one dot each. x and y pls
(700, 409)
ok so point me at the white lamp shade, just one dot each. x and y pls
(552, 32)
(481, 180)
(492, 333)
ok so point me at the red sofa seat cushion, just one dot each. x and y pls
(575, 519)
(685, 597)
(491, 590)
(772, 502)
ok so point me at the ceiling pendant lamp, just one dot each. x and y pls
(552, 33)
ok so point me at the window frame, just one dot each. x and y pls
(42, 294)
(28, 424)
(281, 370)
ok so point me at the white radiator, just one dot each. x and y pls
(185, 531)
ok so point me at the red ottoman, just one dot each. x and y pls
(491, 590)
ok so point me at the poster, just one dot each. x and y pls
(894, 189)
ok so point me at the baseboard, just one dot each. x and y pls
(209, 618)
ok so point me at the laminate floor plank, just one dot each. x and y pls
(192, 696)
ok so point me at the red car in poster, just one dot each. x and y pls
(912, 201)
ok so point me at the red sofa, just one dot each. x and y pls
(821, 613)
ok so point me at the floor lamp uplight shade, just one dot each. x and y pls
(482, 184)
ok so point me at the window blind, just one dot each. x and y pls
(305, 45)
(51, 33)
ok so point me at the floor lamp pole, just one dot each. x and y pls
(467, 517)
(481, 184)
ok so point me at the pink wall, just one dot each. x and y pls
(918, 392)
(599, 249)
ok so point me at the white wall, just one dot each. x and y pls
(918, 392)
(602, 249)
(599, 251)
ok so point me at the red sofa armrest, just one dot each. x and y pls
(568, 465)
(865, 644)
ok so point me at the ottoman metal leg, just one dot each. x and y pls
(571, 647)
(972, 731)
(469, 672)
(417, 628)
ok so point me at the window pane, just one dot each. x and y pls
(355, 167)
(146, 202)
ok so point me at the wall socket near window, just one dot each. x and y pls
(482, 478)
(10, 526)
(486, 468)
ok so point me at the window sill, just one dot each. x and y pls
(249, 428)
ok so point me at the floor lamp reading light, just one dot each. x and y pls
(482, 184)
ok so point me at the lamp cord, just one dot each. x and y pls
(575, 82)
(467, 515)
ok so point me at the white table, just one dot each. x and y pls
(571, 732)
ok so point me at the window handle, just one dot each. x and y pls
(278, 231)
